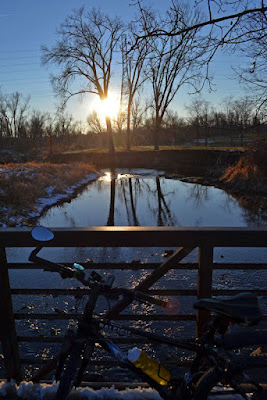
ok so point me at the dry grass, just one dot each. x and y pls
(21, 185)
(151, 148)
(249, 174)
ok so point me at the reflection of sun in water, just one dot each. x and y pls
(108, 107)
(108, 176)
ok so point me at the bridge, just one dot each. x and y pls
(183, 240)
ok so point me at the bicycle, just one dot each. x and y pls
(214, 362)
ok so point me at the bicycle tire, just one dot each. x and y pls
(69, 374)
(214, 376)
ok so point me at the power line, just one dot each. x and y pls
(26, 79)
(30, 83)
(20, 71)
(17, 58)
(18, 65)
(19, 51)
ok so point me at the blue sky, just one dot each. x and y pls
(28, 24)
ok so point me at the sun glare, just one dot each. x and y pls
(109, 107)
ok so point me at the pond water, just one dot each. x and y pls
(148, 198)
(151, 198)
(139, 198)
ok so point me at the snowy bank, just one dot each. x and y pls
(30, 391)
(27, 190)
(54, 198)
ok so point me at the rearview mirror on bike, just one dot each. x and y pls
(42, 234)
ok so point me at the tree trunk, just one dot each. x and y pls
(156, 133)
(109, 136)
(128, 127)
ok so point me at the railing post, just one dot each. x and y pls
(7, 326)
(205, 267)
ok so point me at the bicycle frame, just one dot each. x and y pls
(89, 334)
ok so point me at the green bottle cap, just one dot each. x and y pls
(78, 267)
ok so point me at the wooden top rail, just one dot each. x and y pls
(140, 237)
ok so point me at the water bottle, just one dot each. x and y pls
(149, 366)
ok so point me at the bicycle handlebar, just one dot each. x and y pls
(68, 272)
(64, 271)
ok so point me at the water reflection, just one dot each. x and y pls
(147, 198)
(130, 190)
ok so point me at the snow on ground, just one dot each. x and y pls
(50, 199)
(30, 391)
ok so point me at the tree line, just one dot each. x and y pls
(157, 53)
(229, 123)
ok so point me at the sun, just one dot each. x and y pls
(108, 107)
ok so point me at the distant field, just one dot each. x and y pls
(151, 148)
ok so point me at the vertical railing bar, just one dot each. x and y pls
(8, 333)
(152, 278)
(204, 290)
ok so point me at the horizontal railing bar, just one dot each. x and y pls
(74, 292)
(36, 361)
(59, 339)
(146, 266)
(121, 317)
(157, 292)
(109, 266)
(245, 266)
(140, 237)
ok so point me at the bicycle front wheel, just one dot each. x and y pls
(243, 380)
(69, 374)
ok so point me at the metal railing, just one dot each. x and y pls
(205, 239)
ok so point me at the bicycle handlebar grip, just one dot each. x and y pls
(149, 299)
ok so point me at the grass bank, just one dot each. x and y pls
(248, 174)
(27, 189)
(119, 149)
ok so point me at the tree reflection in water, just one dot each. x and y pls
(128, 188)
(148, 198)
(111, 216)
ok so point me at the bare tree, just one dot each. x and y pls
(139, 111)
(94, 122)
(13, 109)
(50, 132)
(37, 124)
(254, 47)
(200, 118)
(243, 113)
(85, 50)
(173, 62)
(226, 19)
(235, 25)
(133, 62)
